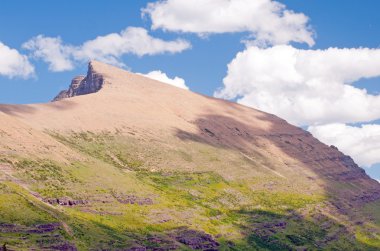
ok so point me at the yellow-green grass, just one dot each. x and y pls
(188, 188)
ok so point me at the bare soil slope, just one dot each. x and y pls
(118, 144)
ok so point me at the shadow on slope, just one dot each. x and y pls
(345, 184)
(327, 163)
(16, 110)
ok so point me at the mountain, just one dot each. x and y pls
(123, 162)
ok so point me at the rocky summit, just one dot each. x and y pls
(123, 162)
(82, 85)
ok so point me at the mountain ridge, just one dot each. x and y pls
(182, 164)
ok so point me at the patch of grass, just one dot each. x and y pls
(370, 239)
(20, 218)
(290, 231)
(50, 178)
(266, 243)
(127, 161)
(282, 201)
(42, 170)
(16, 210)
(373, 209)
(255, 213)
(103, 146)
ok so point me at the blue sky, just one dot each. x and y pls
(78, 21)
(354, 25)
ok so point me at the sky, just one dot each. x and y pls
(314, 64)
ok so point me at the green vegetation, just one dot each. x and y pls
(129, 200)
(25, 224)
(372, 209)
(15, 209)
(105, 147)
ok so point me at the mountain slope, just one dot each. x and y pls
(120, 162)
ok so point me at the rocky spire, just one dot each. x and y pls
(81, 85)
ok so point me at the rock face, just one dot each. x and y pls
(196, 240)
(65, 202)
(48, 236)
(82, 85)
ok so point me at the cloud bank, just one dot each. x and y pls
(13, 64)
(162, 77)
(269, 22)
(306, 87)
(108, 49)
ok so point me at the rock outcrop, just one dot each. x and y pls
(65, 202)
(82, 85)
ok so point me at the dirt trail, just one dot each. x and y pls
(267, 168)
(36, 200)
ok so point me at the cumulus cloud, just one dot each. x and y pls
(362, 143)
(108, 49)
(266, 20)
(162, 77)
(52, 51)
(306, 87)
(13, 64)
(132, 40)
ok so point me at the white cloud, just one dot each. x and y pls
(13, 64)
(162, 77)
(108, 49)
(266, 20)
(132, 40)
(305, 87)
(52, 51)
(361, 143)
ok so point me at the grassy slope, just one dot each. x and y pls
(177, 189)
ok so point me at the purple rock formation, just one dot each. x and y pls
(82, 85)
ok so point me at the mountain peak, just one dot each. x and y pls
(82, 85)
(181, 159)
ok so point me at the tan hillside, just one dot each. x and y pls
(227, 172)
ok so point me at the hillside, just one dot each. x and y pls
(123, 162)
